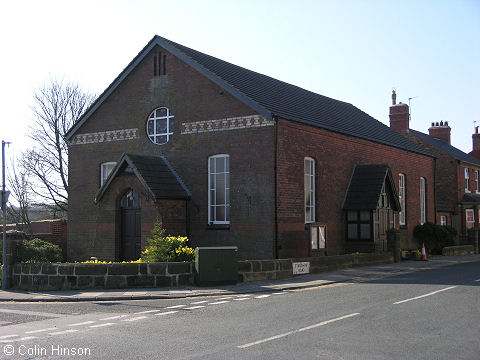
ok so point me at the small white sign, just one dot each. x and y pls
(301, 268)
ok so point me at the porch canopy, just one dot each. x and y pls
(366, 185)
(154, 172)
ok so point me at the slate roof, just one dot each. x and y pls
(446, 148)
(271, 97)
(154, 172)
(366, 186)
(471, 199)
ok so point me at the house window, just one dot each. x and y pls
(219, 189)
(160, 126)
(318, 236)
(470, 218)
(309, 172)
(359, 225)
(423, 203)
(467, 178)
(443, 220)
(476, 181)
(105, 170)
(401, 198)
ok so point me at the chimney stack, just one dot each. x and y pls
(476, 140)
(440, 131)
(399, 115)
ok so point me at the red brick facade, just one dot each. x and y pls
(210, 121)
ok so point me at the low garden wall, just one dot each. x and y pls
(48, 276)
(66, 276)
(254, 270)
(458, 250)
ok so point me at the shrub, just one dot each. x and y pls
(163, 248)
(37, 250)
(435, 237)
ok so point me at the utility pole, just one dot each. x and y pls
(4, 197)
(409, 108)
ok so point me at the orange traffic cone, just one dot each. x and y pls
(424, 253)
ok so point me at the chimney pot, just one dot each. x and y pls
(433, 124)
(441, 123)
(394, 97)
(446, 123)
(476, 129)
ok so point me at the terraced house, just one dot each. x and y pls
(229, 156)
(457, 173)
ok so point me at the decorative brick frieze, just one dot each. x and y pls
(104, 136)
(233, 123)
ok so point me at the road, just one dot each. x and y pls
(430, 314)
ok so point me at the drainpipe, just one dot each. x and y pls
(275, 243)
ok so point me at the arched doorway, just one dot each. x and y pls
(131, 235)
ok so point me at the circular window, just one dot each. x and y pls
(160, 126)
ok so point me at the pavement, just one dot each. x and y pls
(358, 274)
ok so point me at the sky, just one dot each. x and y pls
(354, 51)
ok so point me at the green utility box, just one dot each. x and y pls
(216, 265)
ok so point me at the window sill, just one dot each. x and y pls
(218, 227)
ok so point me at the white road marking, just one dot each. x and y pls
(8, 336)
(199, 302)
(296, 331)
(82, 323)
(5, 323)
(147, 312)
(241, 299)
(166, 313)
(279, 293)
(422, 296)
(102, 325)
(262, 296)
(195, 307)
(114, 317)
(63, 332)
(34, 313)
(176, 306)
(224, 298)
(39, 330)
(219, 302)
(135, 318)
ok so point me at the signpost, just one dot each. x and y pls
(4, 197)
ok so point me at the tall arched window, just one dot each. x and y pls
(219, 189)
(423, 202)
(309, 184)
(401, 197)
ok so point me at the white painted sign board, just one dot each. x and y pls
(301, 268)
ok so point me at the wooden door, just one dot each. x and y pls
(131, 234)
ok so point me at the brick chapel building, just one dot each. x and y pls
(457, 173)
(229, 156)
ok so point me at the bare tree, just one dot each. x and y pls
(58, 105)
(20, 186)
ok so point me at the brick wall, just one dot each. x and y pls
(335, 157)
(191, 98)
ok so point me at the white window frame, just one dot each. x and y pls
(472, 216)
(467, 180)
(476, 181)
(443, 220)
(309, 186)
(153, 118)
(318, 236)
(213, 189)
(402, 219)
(423, 202)
(105, 170)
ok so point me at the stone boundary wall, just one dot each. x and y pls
(254, 270)
(458, 250)
(47, 276)
(73, 276)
